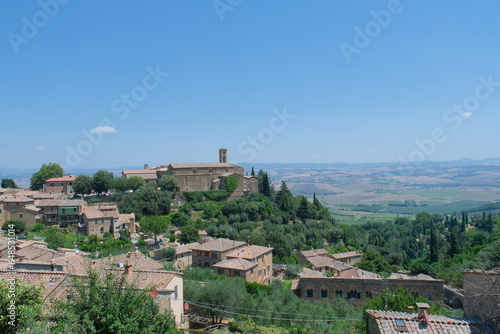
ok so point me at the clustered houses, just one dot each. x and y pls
(228, 257)
(55, 209)
(201, 176)
(53, 272)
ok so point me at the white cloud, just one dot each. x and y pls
(467, 114)
(40, 148)
(103, 129)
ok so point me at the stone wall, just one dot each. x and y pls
(357, 290)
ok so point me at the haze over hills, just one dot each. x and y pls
(359, 192)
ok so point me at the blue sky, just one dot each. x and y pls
(101, 84)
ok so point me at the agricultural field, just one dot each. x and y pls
(358, 193)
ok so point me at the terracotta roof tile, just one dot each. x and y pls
(219, 245)
(321, 262)
(237, 264)
(250, 252)
(202, 165)
(138, 261)
(48, 280)
(344, 255)
(60, 179)
(386, 321)
(33, 252)
(314, 252)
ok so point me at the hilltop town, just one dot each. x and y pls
(217, 247)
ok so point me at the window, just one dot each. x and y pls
(309, 293)
(236, 273)
(430, 297)
(194, 171)
(353, 294)
(338, 293)
(21, 216)
(414, 294)
(220, 271)
(324, 293)
(214, 255)
(368, 294)
(176, 292)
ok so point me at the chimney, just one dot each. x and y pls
(146, 166)
(422, 310)
(222, 155)
(128, 268)
(410, 309)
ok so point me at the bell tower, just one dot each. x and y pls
(222, 155)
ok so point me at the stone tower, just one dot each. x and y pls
(222, 155)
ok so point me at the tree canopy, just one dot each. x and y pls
(47, 171)
(110, 305)
(231, 183)
(102, 181)
(168, 182)
(154, 224)
(8, 183)
(82, 185)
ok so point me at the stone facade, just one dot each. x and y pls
(63, 185)
(356, 290)
(482, 295)
(201, 176)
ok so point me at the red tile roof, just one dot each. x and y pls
(250, 252)
(219, 245)
(386, 321)
(60, 179)
(201, 165)
(236, 264)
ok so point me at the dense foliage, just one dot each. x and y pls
(47, 171)
(105, 305)
(27, 301)
(8, 183)
(274, 305)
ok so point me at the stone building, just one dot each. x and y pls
(64, 213)
(357, 286)
(99, 219)
(347, 257)
(253, 263)
(62, 185)
(234, 259)
(201, 176)
(482, 295)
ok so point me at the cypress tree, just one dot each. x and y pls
(434, 255)
(453, 244)
(253, 172)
